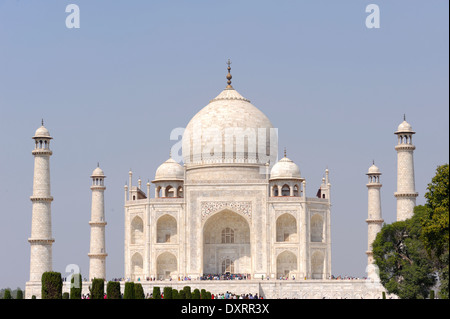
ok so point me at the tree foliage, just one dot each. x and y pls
(435, 226)
(97, 290)
(76, 286)
(129, 290)
(138, 291)
(113, 290)
(412, 255)
(405, 269)
(51, 285)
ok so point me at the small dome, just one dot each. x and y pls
(404, 127)
(169, 170)
(42, 132)
(98, 172)
(285, 168)
(373, 170)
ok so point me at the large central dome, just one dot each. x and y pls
(229, 130)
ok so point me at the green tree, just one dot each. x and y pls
(405, 269)
(51, 285)
(203, 294)
(175, 294)
(187, 292)
(75, 286)
(167, 293)
(7, 294)
(113, 290)
(129, 290)
(138, 291)
(97, 290)
(196, 294)
(19, 294)
(435, 226)
(156, 293)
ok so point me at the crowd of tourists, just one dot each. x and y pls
(226, 276)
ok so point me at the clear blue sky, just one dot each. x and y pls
(113, 90)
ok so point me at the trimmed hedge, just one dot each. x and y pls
(167, 293)
(51, 282)
(129, 290)
(138, 291)
(156, 293)
(187, 291)
(113, 290)
(97, 290)
(175, 294)
(196, 294)
(7, 294)
(19, 294)
(75, 286)
(203, 294)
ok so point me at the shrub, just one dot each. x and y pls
(156, 293)
(129, 290)
(187, 291)
(19, 294)
(196, 294)
(168, 293)
(33, 297)
(203, 294)
(175, 294)
(208, 295)
(182, 294)
(113, 290)
(75, 286)
(51, 285)
(98, 289)
(138, 291)
(7, 294)
(65, 295)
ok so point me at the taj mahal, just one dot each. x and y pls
(231, 207)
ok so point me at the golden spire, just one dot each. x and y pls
(229, 75)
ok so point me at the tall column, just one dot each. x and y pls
(406, 193)
(374, 219)
(97, 254)
(41, 224)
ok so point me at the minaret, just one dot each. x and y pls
(406, 192)
(97, 254)
(41, 223)
(374, 219)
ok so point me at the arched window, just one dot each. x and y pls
(285, 190)
(158, 192)
(166, 229)
(170, 191)
(227, 266)
(227, 236)
(296, 192)
(286, 228)
(137, 231)
(316, 228)
(180, 191)
(275, 190)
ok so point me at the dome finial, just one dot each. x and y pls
(42, 122)
(229, 75)
(404, 117)
(285, 152)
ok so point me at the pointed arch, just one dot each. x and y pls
(137, 231)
